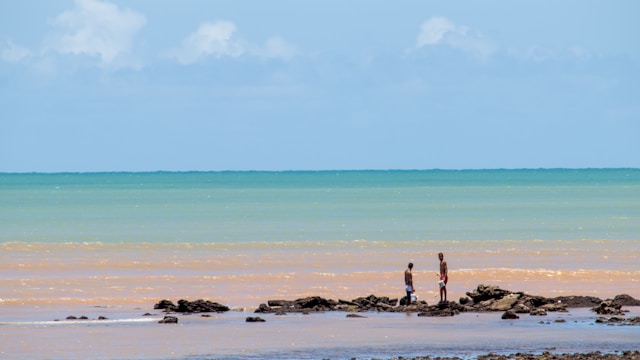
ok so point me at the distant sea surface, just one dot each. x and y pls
(120, 241)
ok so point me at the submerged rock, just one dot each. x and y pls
(509, 315)
(168, 320)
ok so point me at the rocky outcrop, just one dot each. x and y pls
(608, 307)
(442, 309)
(578, 301)
(318, 304)
(185, 306)
(626, 300)
(493, 298)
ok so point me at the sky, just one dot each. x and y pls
(158, 85)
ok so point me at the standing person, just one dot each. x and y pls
(444, 277)
(408, 282)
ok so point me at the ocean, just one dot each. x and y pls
(114, 244)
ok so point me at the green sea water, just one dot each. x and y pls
(230, 207)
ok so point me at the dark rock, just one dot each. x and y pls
(200, 306)
(102, 318)
(560, 321)
(538, 312)
(555, 307)
(165, 305)
(168, 320)
(487, 292)
(578, 301)
(355, 316)
(83, 318)
(626, 300)
(442, 309)
(273, 303)
(255, 319)
(615, 320)
(509, 315)
(608, 307)
(263, 308)
(71, 317)
(522, 309)
(464, 300)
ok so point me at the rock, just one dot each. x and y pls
(608, 307)
(443, 309)
(578, 301)
(355, 316)
(538, 312)
(521, 309)
(487, 292)
(509, 315)
(614, 320)
(626, 300)
(464, 300)
(505, 303)
(71, 317)
(560, 321)
(102, 318)
(168, 320)
(165, 305)
(200, 306)
(555, 307)
(255, 319)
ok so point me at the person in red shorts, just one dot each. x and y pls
(444, 277)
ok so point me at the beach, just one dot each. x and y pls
(113, 245)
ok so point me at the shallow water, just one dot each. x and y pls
(324, 335)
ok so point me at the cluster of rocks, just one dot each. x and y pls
(185, 306)
(319, 304)
(72, 317)
(546, 355)
(616, 320)
(484, 298)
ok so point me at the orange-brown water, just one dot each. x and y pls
(247, 274)
(41, 283)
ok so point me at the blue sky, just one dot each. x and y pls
(94, 85)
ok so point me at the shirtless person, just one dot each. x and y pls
(443, 276)
(408, 282)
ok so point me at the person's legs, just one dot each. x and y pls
(408, 297)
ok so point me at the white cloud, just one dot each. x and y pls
(211, 39)
(97, 28)
(433, 30)
(218, 39)
(14, 53)
(276, 47)
(442, 31)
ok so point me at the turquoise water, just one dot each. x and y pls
(205, 207)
